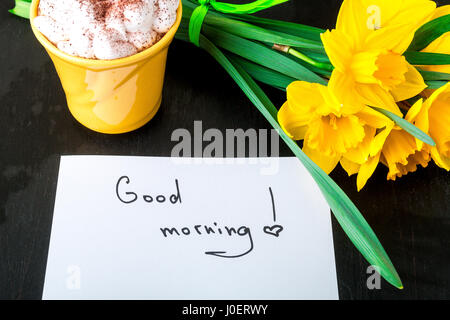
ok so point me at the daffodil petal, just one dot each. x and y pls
(331, 105)
(361, 153)
(411, 12)
(440, 160)
(326, 163)
(339, 47)
(439, 45)
(293, 123)
(394, 38)
(439, 119)
(350, 167)
(362, 19)
(391, 13)
(366, 171)
(343, 88)
(375, 96)
(418, 115)
(382, 10)
(353, 19)
(413, 85)
(440, 11)
(437, 93)
(373, 118)
(304, 97)
(380, 139)
(414, 111)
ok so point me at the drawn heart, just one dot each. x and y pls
(273, 230)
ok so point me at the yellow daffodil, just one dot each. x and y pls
(402, 154)
(394, 147)
(434, 119)
(328, 127)
(366, 50)
(369, 152)
(400, 151)
(441, 44)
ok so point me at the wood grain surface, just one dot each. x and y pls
(410, 216)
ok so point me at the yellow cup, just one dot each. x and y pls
(112, 96)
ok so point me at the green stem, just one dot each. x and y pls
(303, 57)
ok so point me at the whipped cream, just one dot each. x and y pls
(105, 29)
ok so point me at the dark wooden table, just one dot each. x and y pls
(410, 216)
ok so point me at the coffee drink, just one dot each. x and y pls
(105, 29)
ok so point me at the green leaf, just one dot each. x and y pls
(346, 213)
(250, 7)
(427, 58)
(295, 29)
(318, 56)
(407, 126)
(435, 84)
(183, 30)
(262, 74)
(432, 75)
(261, 54)
(248, 31)
(434, 80)
(22, 9)
(429, 32)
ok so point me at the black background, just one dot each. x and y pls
(410, 216)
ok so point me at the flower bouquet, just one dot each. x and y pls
(374, 89)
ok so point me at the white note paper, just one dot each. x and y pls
(155, 228)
